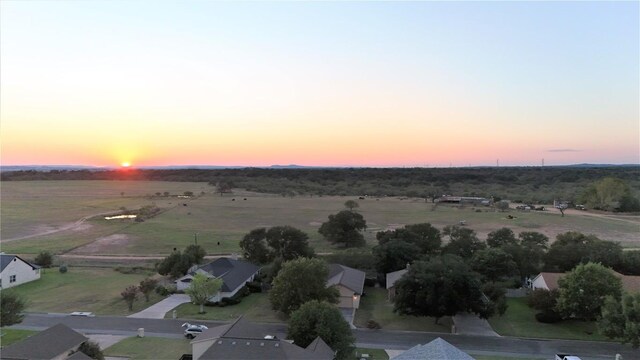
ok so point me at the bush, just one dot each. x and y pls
(370, 282)
(229, 301)
(165, 290)
(372, 324)
(548, 317)
(543, 300)
(254, 286)
(44, 259)
(92, 350)
(63, 269)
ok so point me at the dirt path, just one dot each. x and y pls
(65, 227)
(125, 257)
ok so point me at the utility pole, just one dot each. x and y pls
(195, 238)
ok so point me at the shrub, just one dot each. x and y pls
(92, 350)
(254, 286)
(548, 317)
(372, 324)
(63, 269)
(543, 300)
(370, 282)
(44, 259)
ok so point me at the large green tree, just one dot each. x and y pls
(442, 286)
(263, 245)
(426, 237)
(582, 291)
(394, 255)
(607, 194)
(572, 248)
(299, 281)
(463, 241)
(315, 318)
(11, 307)
(344, 228)
(202, 288)
(621, 319)
(494, 264)
(501, 237)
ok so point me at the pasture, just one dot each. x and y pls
(53, 209)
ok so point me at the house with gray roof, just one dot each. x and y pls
(58, 342)
(392, 278)
(350, 284)
(243, 340)
(438, 349)
(234, 274)
(15, 270)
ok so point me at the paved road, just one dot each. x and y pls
(380, 339)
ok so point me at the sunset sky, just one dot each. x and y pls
(311, 83)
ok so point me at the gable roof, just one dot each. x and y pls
(392, 277)
(318, 346)
(348, 277)
(79, 355)
(233, 273)
(245, 340)
(46, 344)
(436, 349)
(629, 283)
(7, 259)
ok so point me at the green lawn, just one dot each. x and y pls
(519, 320)
(10, 336)
(374, 306)
(82, 289)
(149, 348)
(374, 354)
(255, 307)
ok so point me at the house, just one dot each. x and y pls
(14, 271)
(58, 342)
(549, 281)
(350, 284)
(437, 349)
(234, 274)
(244, 340)
(392, 277)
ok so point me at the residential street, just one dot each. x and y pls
(382, 339)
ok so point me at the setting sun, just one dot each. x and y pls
(125, 164)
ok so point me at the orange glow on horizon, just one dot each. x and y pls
(125, 164)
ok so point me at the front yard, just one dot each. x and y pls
(83, 289)
(10, 336)
(149, 348)
(520, 321)
(374, 306)
(255, 307)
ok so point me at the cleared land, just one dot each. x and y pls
(82, 289)
(221, 221)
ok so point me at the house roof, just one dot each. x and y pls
(392, 277)
(46, 344)
(79, 356)
(6, 259)
(629, 283)
(348, 277)
(437, 349)
(233, 273)
(245, 340)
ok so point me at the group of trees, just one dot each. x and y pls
(263, 246)
(610, 194)
(178, 263)
(146, 287)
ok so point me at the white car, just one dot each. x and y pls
(192, 330)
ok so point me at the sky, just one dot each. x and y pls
(378, 84)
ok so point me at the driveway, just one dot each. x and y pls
(471, 324)
(348, 314)
(158, 310)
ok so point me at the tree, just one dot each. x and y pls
(202, 288)
(462, 241)
(621, 319)
(582, 291)
(501, 237)
(533, 246)
(442, 286)
(224, 186)
(543, 300)
(497, 296)
(44, 259)
(344, 228)
(285, 242)
(92, 350)
(607, 194)
(299, 281)
(130, 294)
(572, 248)
(630, 264)
(493, 264)
(11, 307)
(147, 286)
(196, 254)
(351, 204)
(502, 205)
(315, 318)
(394, 255)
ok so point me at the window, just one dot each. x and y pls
(12, 278)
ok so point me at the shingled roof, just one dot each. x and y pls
(629, 283)
(392, 277)
(350, 278)
(232, 272)
(437, 349)
(47, 344)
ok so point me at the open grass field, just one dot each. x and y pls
(33, 207)
(82, 289)
(255, 307)
(149, 348)
(374, 306)
(520, 321)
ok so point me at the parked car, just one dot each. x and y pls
(192, 330)
(566, 357)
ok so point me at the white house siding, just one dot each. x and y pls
(23, 272)
(539, 283)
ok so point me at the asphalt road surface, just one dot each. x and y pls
(380, 339)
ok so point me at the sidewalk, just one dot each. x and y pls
(158, 310)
